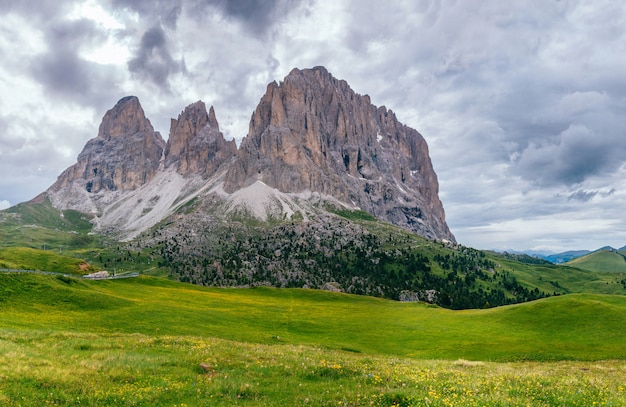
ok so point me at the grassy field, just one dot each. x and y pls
(71, 369)
(25, 258)
(601, 261)
(578, 327)
(140, 342)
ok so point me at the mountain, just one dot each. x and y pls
(125, 155)
(196, 145)
(564, 257)
(313, 133)
(313, 144)
(325, 191)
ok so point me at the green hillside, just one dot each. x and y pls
(349, 251)
(25, 258)
(40, 226)
(566, 279)
(566, 327)
(149, 341)
(363, 256)
(607, 261)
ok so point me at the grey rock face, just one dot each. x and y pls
(196, 145)
(124, 156)
(312, 132)
(310, 135)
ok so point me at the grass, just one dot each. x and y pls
(40, 226)
(570, 278)
(601, 261)
(33, 259)
(576, 327)
(150, 341)
(354, 215)
(69, 369)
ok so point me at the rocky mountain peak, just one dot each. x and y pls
(124, 156)
(312, 132)
(213, 119)
(311, 139)
(126, 117)
(195, 144)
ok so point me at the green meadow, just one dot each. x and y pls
(26, 258)
(602, 261)
(149, 341)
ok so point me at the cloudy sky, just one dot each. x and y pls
(522, 103)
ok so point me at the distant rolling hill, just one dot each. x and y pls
(603, 260)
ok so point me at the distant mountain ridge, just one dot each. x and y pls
(564, 257)
(312, 141)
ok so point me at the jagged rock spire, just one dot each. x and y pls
(195, 144)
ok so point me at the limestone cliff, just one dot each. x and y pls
(195, 144)
(311, 140)
(124, 156)
(312, 132)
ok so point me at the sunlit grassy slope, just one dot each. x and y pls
(39, 225)
(33, 259)
(149, 341)
(569, 278)
(119, 369)
(601, 261)
(585, 327)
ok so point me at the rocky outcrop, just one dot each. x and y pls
(312, 132)
(312, 140)
(196, 145)
(124, 156)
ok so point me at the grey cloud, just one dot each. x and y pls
(36, 9)
(62, 72)
(258, 11)
(164, 12)
(258, 16)
(29, 162)
(583, 196)
(586, 196)
(577, 154)
(66, 76)
(153, 60)
(609, 193)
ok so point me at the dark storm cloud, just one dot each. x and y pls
(64, 74)
(567, 137)
(258, 16)
(575, 155)
(153, 59)
(60, 68)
